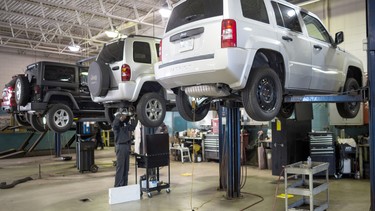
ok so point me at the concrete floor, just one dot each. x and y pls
(62, 187)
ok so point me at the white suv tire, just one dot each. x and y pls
(98, 79)
(151, 109)
(349, 109)
(186, 110)
(262, 96)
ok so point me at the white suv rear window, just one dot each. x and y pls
(194, 10)
(254, 9)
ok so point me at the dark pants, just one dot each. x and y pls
(122, 165)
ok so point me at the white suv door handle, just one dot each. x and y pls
(287, 38)
(318, 47)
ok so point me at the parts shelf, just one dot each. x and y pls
(306, 188)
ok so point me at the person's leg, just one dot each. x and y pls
(126, 168)
(120, 165)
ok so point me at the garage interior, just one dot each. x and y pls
(46, 175)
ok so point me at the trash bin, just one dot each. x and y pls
(85, 155)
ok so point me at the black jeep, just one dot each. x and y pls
(58, 92)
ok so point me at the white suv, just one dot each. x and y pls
(255, 52)
(122, 78)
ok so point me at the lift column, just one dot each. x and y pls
(232, 149)
(371, 74)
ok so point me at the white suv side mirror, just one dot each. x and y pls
(339, 37)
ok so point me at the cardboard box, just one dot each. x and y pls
(124, 194)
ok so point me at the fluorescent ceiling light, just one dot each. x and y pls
(74, 48)
(111, 34)
(165, 13)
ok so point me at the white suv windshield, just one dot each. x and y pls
(194, 10)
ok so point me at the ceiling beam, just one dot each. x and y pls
(104, 13)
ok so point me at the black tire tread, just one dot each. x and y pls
(249, 95)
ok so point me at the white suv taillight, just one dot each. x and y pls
(160, 50)
(228, 33)
(125, 72)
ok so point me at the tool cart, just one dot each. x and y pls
(155, 157)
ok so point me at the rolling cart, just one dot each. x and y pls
(156, 156)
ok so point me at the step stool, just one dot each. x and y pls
(185, 153)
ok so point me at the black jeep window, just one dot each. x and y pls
(142, 52)
(194, 10)
(315, 28)
(254, 9)
(112, 52)
(59, 73)
(289, 17)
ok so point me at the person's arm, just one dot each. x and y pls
(132, 124)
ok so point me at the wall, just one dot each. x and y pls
(15, 62)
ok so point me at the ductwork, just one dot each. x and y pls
(210, 90)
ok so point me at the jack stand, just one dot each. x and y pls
(231, 149)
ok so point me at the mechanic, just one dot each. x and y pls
(122, 127)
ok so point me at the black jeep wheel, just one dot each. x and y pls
(151, 109)
(98, 79)
(59, 118)
(22, 91)
(185, 108)
(105, 125)
(349, 109)
(262, 96)
(286, 110)
(110, 114)
(36, 122)
(21, 119)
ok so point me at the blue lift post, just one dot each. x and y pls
(232, 148)
(371, 75)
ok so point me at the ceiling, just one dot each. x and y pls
(50, 26)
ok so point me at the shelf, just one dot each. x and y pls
(302, 188)
(307, 188)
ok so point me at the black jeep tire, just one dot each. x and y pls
(151, 109)
(59, 118)
(105, 125)
(36, 122)
(349, 109)
(286, 110)
(110, 114)
(22, 91)
(21, 119)
(98, 79)
(186, 110)
(262, 96)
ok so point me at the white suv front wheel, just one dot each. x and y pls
(262, 96)
(151, 109)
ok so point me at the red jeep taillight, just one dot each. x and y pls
(228, 33)
(125, 72)
(160, 50)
